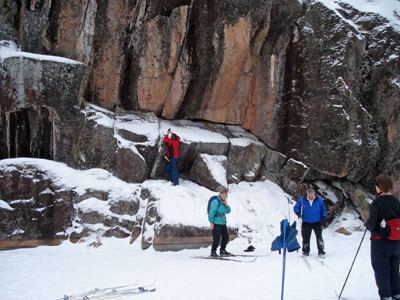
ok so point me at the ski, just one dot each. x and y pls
(112, 292)
(249, 255)
(226, 258)
(304, 257)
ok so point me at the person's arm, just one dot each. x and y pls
(323, 210)
(373, 217)
(175, 145)
(212, 211)
(227, 207)
(297, 207)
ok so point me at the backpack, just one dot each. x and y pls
(211, 200)
(394, 229)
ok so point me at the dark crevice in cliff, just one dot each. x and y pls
(29, 133)
(129, 77)
(206, 59)
(17, 16)
(163, 8)
(53, 18)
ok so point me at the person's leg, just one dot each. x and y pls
(174, 171)
(216, 237)
(306, 234)
(225, 237)
(168, 171)
(394, 271)
(317, 227)
(381, 266)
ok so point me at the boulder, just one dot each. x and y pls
(33, 207)
(210, 171)
(272, 165)
(245, 157)
(293, 174)
(175, 238)
(44, 202)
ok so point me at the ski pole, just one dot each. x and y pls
(284, 258)
(352, 263)
(288, 199)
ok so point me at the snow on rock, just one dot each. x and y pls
(192, 132)
(216, 168)
(5, 205)
(8, 49)
(388, 9)
(165, 215)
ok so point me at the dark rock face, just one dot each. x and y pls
(35, 207)
(38, 209)
(304, 80)
(326, 124)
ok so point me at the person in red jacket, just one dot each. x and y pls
(172, 142)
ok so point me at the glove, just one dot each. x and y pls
(324, 223)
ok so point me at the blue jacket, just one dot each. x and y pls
(217, 212)
(291, 241)
(310, 214)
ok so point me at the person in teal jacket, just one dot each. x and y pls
(217, 209)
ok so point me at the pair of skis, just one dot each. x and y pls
(242, 258)
(112, 292)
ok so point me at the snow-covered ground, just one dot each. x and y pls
(51, 272)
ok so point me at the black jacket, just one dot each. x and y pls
(383, 207)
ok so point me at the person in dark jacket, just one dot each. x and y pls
(218, 208)
(311, 209)
(172, 143)
(385, 253)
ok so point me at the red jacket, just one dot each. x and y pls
(172, 146)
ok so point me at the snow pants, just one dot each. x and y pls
(385, 260)
(172, 171)
(218, 232)
(306, 229)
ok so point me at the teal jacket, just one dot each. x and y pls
(216, 214)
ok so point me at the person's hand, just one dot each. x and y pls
(324, 223)
(211, 226)
(166, 158)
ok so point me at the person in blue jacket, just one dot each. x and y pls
(217, 209)
(311, 209)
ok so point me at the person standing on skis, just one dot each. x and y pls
(311, 209)
(172, 143)
(384, 222)
(217, 209)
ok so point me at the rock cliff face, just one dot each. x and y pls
(310, 81)
(318, 84)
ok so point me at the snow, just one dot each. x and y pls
(8, 49)
(257, 209)
(388, 9)
(149, 127)
(18, 231)
(5, 205)
(76, 268)
(396, 82)
(215, 166)
(79, 181)
(191, 132)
